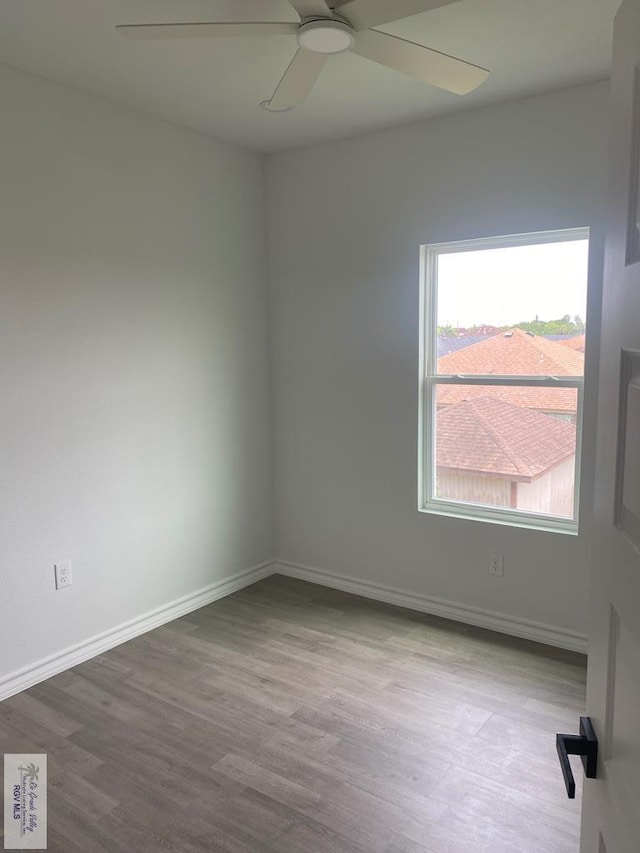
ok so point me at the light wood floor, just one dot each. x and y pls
(289, 718)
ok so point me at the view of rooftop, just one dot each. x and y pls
(509, 446)
(514, 352)
(506, 443)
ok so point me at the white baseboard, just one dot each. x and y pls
(516, 627)
(43, 669)
(72, 656)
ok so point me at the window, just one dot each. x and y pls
(502, 378)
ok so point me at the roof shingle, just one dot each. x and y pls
(576, 343)
(490, 436)
(515, 353)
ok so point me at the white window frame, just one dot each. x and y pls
(430, 379)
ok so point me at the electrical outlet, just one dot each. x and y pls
(496, 565)
(63, 574)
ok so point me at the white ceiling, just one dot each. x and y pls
(215, 85)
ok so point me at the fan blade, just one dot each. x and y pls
(206, 30)
(311, 8)
(430, 66)
(298, 79)
(364, 14)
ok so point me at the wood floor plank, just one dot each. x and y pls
(293, 718)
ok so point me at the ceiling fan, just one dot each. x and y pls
(334, 26)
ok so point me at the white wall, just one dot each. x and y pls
(134, 411)
(346, 221)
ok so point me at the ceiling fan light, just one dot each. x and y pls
(326, 36)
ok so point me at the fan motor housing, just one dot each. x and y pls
(326, 35)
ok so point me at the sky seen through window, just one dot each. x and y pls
(506, 286)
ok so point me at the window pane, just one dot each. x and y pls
(513, 311)
(507, 447)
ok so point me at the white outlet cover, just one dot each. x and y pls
(496, 564)
(63, 574)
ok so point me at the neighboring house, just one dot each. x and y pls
(520, 353)
(575, 343)
(464, 338)
(492, 452)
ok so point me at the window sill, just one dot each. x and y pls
(568, 527)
